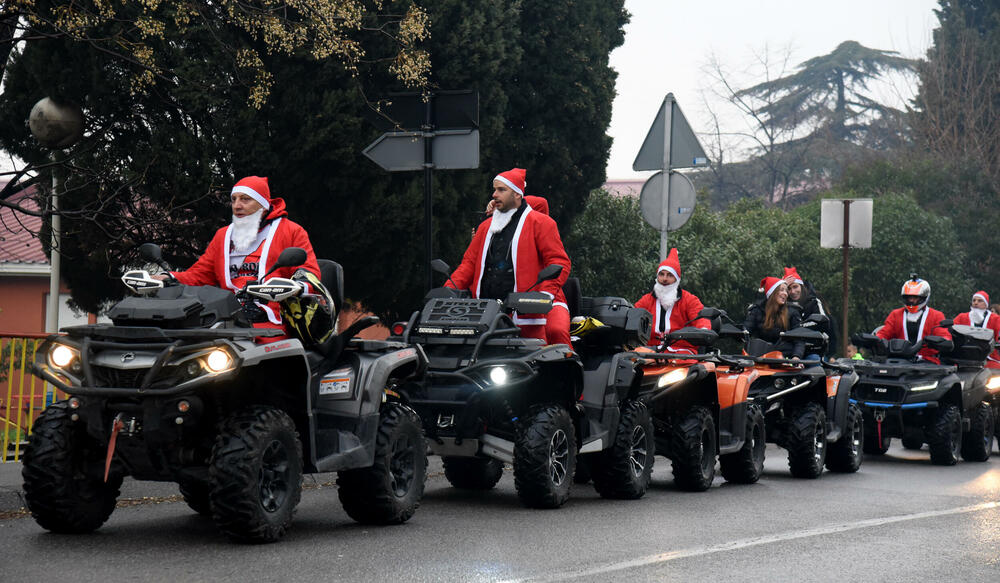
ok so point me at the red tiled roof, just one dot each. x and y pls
(18, 232)
(625, 186)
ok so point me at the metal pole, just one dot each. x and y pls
(52, 306)
(428, 190)
(846, 252)
(668, 120)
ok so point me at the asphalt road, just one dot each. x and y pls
(898, 519)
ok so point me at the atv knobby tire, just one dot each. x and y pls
(914, 443)
(977, 443)
(944, 436)
(545, 457)
(873, 445)
(693, 446)
(846, 453)
(390, 490)
(624, 469)
(806, 442)
(746, 465)
(197, 495)
(255, 474)
(472, 473)
(63, 471)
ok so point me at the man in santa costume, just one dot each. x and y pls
(507, 252)
(915, 319)
(979, 315)
(671, 306)
(247, 248)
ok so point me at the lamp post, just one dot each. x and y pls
(57, 125)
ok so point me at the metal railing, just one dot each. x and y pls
(23, 396)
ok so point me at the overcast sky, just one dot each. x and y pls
(669, 42)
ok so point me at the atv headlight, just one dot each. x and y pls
(927, 387)
(218, 360)
(61, 355)
(498, 375)
(673, 377)
(993, 384)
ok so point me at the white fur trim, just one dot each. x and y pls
(510, 184)
(252, 194)
(980, 296)
(770, 290)
(670, 269)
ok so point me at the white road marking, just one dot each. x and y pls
(748, 542)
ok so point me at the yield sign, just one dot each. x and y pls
(685, 150)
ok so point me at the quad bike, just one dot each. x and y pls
(700, 408)
(179, 389)
(949, 406)
(490, 396)
(806, 404)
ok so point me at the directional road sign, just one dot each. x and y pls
(405, 151)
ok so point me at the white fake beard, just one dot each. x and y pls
(667, 294)
(245, 230)
(914, 316)
(500, 220)
(977, 315)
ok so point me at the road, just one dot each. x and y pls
(898, 519)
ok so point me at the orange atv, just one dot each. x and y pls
(700, 408)
(806, 405)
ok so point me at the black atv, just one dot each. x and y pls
(491, 397)
(180, 389)
(943, 405)
(806, 404)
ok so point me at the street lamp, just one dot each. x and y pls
(56, 124)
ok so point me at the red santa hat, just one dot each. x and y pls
(769, 284)
(982, 295)
(671, 264)
(792, 276)
(514, 178)
(256, 188)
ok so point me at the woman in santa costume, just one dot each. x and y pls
(915, 319)
(768, 318)
(248, 247)
(507, 252)
(672, 307)
(980, 316)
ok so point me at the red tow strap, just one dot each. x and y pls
(116, 426)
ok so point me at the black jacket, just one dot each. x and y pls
(754, 324)
(811, 304)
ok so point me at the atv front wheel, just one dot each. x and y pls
(944, 436)
(977, 444)
(746, 465)
(624, 469)
(694, 449)
(63, 472)
(545, 457)
(875, 446)
(389, 491)
(255, 474)
(806, 442)
(846, 453)
(197, 495)
(911, 442)
(472, 473)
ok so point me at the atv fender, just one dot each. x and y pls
(838, 396)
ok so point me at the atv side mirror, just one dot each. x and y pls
(150, 252)
(818, 319)
(711, 313)
(439, 266)
(946, 323)
(549, 272)
(290, 257)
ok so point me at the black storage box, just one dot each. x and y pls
(628, 325)
(176, 307)
(972, 345)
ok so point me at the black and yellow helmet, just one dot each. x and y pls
(310, 317)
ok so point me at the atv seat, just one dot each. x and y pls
(571, 289)
(331, 275)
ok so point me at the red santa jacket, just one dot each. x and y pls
(685, 309)
(991, 322)
(536, 245)
(212, 268)
(895, 327)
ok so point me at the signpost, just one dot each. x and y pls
(670, 143)
(430, 131)
(845, 223)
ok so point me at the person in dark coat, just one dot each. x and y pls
(769, 317)
(803, 294)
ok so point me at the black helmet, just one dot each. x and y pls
(310, 317)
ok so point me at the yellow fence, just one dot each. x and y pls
(22, 395)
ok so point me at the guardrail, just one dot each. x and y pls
(23, 396)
